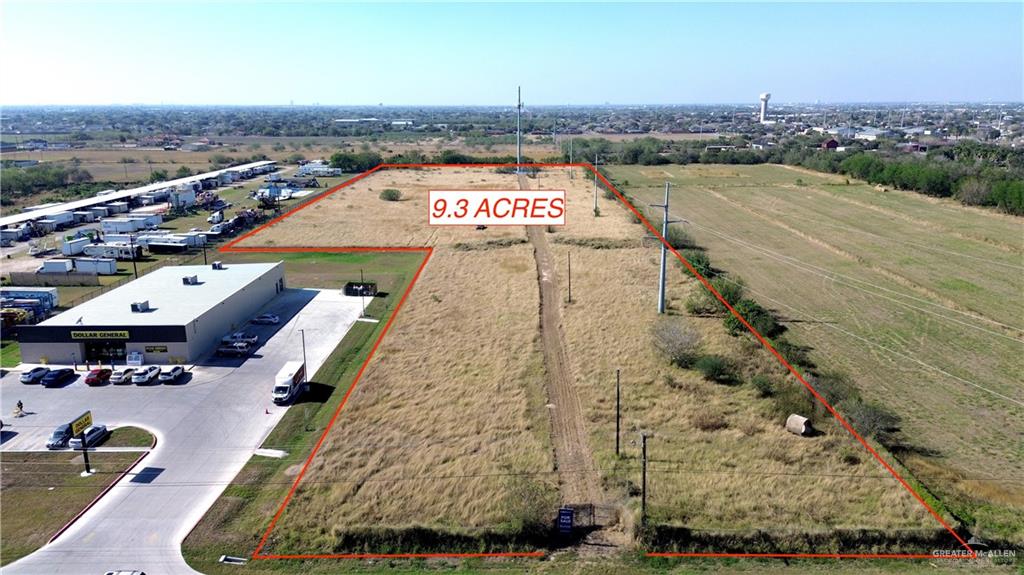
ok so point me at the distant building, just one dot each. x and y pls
(871, 134)
(830, 144)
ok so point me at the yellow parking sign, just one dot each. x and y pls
(83, 421)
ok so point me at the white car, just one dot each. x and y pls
(122, 375)
(146, 374)
(171, 374)
(266, 319)
(240, 337)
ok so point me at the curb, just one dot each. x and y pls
(101, 494)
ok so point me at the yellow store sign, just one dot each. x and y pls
(99, 335)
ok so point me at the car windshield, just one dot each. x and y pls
(281, 389)
(59, 432)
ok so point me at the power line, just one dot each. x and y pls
(830, 275)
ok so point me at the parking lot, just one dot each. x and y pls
(207, 425)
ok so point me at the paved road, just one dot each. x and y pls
(207, 429)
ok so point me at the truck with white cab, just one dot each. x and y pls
(290, 382)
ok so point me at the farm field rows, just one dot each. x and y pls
(919, 300)
(448, 430)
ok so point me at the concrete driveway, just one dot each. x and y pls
(207, 429)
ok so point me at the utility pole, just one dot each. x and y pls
(362, 292)
(643, 491)
(664, 248)
(595, 184)
(618, 410)
(570, 276)
(204, 253)
(519, 142)
(131, 242)
(571, 170)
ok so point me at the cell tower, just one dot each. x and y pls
(519, 130)
(764, 106)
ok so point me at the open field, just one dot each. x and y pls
(43, 491)
(429, 438)
(919, 300)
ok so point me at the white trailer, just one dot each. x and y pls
(195, 239)
(56, 266)
(99, 266)
(120, 225)
(84, 217)
(119, 251)
(74, 247)
(117, 207)
(148, 220)
(100, 211)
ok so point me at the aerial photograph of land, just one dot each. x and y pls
(504, 288)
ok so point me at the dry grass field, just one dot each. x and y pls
(919, 300)
(448, 428)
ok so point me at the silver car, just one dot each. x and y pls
(94, 435)
(172, 374)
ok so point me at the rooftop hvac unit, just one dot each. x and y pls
(218, 265)
(190, 280)
(140, 306)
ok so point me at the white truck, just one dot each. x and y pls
(290, 382)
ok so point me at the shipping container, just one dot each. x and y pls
(74, 247)
(56, 266)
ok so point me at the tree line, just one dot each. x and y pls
(974, 173)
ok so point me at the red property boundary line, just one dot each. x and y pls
(428, 251)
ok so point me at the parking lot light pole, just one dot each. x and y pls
(305, 370)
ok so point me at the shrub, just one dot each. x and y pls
(677, 341)
(871, 420)
(792, 397)
(703, 302)
(715, 368)
(678, 238)
(700, 262)
(391, 195)
(834, 386)
(759, 318)
(763, 384)
(793, 353)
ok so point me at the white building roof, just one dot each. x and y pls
(121, 195)
(170, 301)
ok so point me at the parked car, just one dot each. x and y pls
(60, 437)
(266, 319)
(122, 375)
(172, 374)
(239, 349)
(34, 375)
(240, 337)
(146, 374)
(58, 376)
(94, 435)
(98, 377)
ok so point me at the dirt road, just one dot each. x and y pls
(578, 478)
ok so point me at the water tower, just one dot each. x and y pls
(764, 106)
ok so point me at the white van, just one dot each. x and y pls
(290, 382)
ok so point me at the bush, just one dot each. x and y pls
(700, 262)
(703, 302)
(715, 368)
(792, 397)
(763, 384)
(792, 353)
(391, 195)
(678, 238)
(759, 318)
(677, 341)
(871, 420)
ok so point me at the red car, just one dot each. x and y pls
(97, 377)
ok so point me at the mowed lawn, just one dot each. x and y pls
(918, 299)
(40, 492)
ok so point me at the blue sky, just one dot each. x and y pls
(466, 54)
